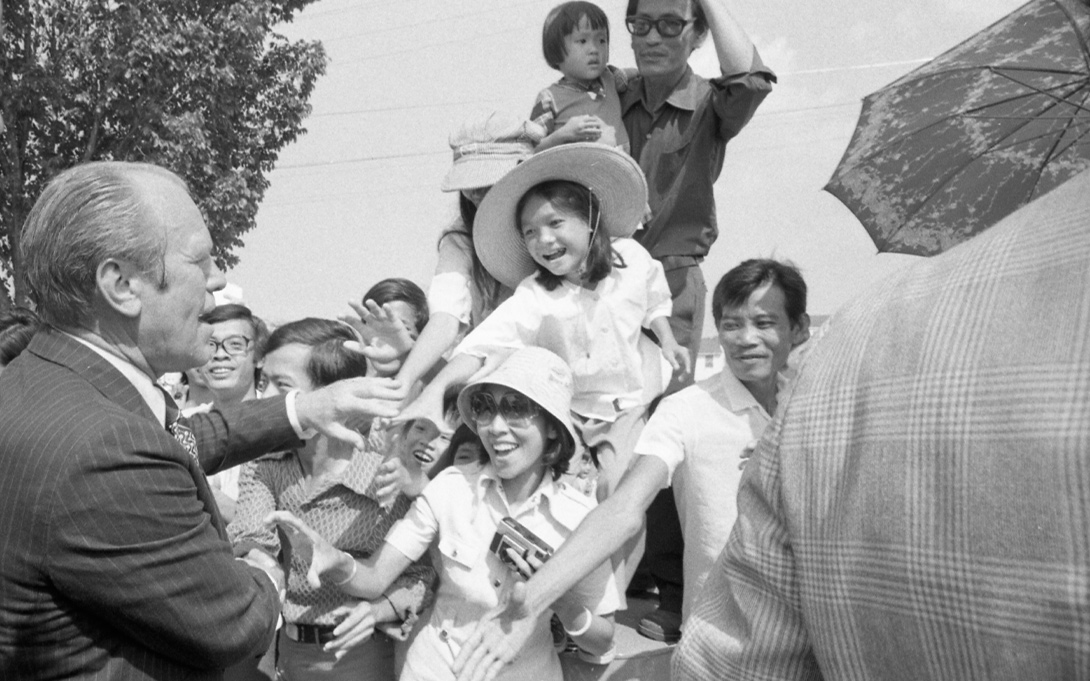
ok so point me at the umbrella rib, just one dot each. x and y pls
(1047, 93)
(1051, 152)
(954, 172)
(968, 113)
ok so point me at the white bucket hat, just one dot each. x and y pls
(486, 148)
(614, 177)
(538, 374)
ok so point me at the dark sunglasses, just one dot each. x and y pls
(517, 409)
(668, 26)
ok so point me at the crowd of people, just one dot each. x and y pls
(466, 481)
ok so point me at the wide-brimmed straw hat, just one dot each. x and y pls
(538, 374)
(614, 177)
(486, 148)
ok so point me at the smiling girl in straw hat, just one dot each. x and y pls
(557, 228)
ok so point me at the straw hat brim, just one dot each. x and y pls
(614, 177)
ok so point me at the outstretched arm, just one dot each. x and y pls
(732, 43)
(438, 335)
(605, 529)
(328, 564)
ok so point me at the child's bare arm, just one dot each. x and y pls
(429, 404)
(677, 356)
(584, 128)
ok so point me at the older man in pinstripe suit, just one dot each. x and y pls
(113, 557)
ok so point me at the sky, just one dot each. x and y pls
(357, 198)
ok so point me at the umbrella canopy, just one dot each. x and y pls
(951, 148)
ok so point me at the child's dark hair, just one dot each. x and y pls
(573, 198)
(562, 20)
(405, 291)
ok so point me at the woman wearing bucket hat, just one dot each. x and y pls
(556, 229)
(521, 412)
(462, 292)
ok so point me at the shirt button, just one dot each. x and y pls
(454, 553)
(496, 583)
(443, 635)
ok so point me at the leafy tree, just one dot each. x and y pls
(206, 88)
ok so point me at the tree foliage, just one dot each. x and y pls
(207, 88)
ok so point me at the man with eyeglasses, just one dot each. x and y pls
(678, 124)
(229, 378)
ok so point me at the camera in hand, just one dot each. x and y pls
(510, 534)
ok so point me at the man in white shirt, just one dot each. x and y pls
(697, 439)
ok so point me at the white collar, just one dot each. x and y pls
(152, 395)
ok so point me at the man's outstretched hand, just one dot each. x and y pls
(497, 639)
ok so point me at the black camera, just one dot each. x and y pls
(510, 534)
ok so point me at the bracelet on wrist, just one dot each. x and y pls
(579, 631)
(346, 580)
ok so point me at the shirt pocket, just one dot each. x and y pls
(460, 553)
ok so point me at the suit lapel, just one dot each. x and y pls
(54, 346)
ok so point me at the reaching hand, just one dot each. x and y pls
(498, 638)
(385, 336)
(393, 478)
(305, 542)
(678, 357)
(340, 409)
(357, 626)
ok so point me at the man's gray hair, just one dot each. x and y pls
(86, 215)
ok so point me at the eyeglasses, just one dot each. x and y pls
(668, 26)
(232, 345)
(516, 408)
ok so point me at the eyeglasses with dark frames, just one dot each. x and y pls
(517, 409)
(669, 26)
(232, 345)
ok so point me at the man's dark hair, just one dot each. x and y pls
(700, 22)
(739, 283)
(562, 20)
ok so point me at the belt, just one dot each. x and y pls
(309, 633)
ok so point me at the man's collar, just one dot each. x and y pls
(152, 395)
(685, 95)
(739, 398)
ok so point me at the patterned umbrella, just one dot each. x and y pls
(948, 150)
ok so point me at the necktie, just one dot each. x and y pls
(179, 430)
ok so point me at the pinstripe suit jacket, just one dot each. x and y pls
(113, 558)
(920, 506)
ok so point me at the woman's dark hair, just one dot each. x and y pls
(405, 291)
(488, 289)
(329, 361)
(576, 200)
(17, 327)
(562, 20)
